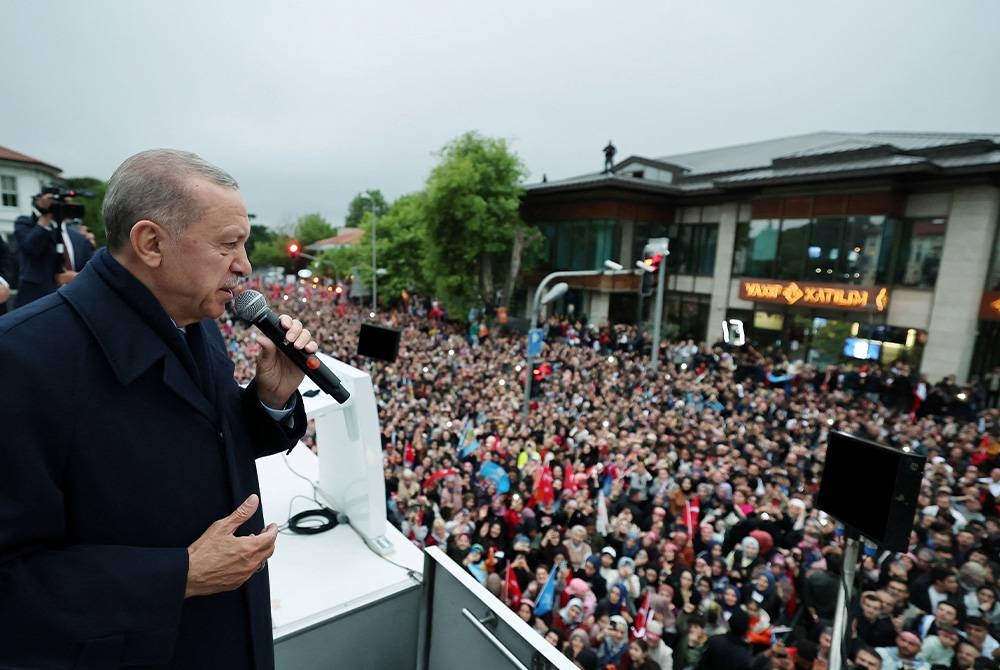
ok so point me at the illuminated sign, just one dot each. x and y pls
(989, 307)
(802, 294)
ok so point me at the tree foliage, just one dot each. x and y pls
(92, 206)
(361, 207)
(460, 239)
(271, 254)
(258, 235)
(471, 211)
(312, 227)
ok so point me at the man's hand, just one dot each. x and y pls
(4, 294)
(277, 376)
(220, 561)
(65, 277)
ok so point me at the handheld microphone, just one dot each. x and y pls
(251, 307)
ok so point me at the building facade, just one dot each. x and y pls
(21, 177)
(835, 247)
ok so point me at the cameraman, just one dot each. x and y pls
(48, 252)
(7, 273)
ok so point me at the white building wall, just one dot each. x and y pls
(910, 308)
(29, 182)
(972, 223)
(597, 310)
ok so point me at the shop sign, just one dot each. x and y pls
(989, 306)
(802, 294)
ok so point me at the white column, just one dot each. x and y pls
(965, 261)
(723, 270)
(600, 303)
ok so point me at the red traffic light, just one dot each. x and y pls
(542, 371)
(293, 249)
(653, 261)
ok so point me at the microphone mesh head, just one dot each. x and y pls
(249, 305)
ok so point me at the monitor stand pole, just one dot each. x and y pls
(850, 563)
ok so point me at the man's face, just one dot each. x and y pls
(908, 648)
(966, 655)
(871, 607)
(898, 591)
(867, 660)
(976, 633)
(43, 202)
(201, 265)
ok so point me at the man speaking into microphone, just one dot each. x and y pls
(131, 532)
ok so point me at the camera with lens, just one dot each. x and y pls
(60, 208)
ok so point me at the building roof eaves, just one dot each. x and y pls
(601, 180)
(804, 175)
(17, 157)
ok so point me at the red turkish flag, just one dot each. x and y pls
(544, 491)
(692, 510)
(512, 588)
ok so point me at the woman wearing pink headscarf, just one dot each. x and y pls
(579, 588)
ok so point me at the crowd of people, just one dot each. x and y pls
(640, 520)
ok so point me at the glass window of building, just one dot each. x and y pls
(867, 249)
(692, 248)
(581, 245)
(852, 250)
(919, 258)
(8, 191)
(757, 247)
(792, 248)
(824, 252)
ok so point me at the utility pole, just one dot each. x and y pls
(658, 245)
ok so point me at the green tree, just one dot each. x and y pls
(361, 206)
(92, 205)
(271, 254)
(258, 235)
(337, 263)
(473, 229)
(400, 239)
(312, 227)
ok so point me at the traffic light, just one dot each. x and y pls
(539, 373)
(652, 265)
(653, 261)
(293, 249)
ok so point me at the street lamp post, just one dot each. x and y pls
(558, 290)
(658, 245)
(367, 196)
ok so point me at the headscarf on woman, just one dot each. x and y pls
(579, 588)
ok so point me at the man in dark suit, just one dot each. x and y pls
(50, 252)
(6, 274)
(130, 527)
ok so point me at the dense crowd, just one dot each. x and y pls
(667, 520)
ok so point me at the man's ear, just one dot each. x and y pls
(146, 239)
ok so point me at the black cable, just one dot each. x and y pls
(305, 523)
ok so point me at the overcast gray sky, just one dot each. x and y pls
(307, 103)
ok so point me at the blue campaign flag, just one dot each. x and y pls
(547, 596)
(606, 485)
(535, 337)
(467, 442)
(468, 449)
(495, 474)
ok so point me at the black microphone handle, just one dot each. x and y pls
(310, 364)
